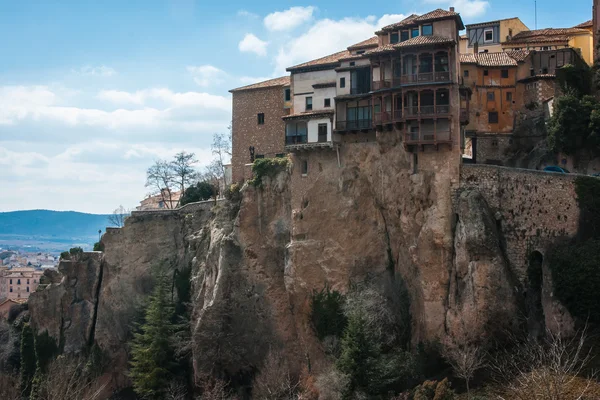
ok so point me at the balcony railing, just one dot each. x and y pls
(353, 125)
(378, 85)
(427, 110)
(428, 137)
(382, 117)
(360, 89)
(296, 139)
(425, 77)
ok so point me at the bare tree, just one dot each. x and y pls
(117, 218)
(548, 369)
(160, 178)
(221, 148)
(213, 389)
(176, 391)
(274, 381)
(465, 355)
(183, 172)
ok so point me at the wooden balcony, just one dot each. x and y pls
(427, 111)
(428, 137)
(353, 125)
(425, 77)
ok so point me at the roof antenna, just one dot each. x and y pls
(535, 12)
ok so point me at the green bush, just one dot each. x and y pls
(28, 361)
(327, 314)
(198, 192)
(98, 246)
(267, 167)
(433, 390)
(576, 278)
(233, 192)
(570, 128)
(65, 255)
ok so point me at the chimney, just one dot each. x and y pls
(451, 9)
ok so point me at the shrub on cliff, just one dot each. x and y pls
(327, 313)
(199, 192)
(575, 277)
(571, 127)
(151, 349)
(267, 167)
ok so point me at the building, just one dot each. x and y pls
(166, 200)
(580, 39)
(488, 36)
(19, 282)
(7, 304)
(257, 127)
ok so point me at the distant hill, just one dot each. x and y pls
(58, 228)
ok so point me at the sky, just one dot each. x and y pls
(93, 92)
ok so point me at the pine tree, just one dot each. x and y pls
(28, 361)
(152, 350)
(358, 354)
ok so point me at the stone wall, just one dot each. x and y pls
(492, 148)
(532, 208)
(268, 138)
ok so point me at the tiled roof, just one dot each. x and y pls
(331, 59)
(497, 21)
(371, 42)
(500, 59)
(586, 24)
(518, 55)
(536, 77)
(416, 19)
(412, 42)
(281, 81)
(546, 35)
(309, 114)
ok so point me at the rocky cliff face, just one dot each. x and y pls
(255, 264)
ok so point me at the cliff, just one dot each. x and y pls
(457, 240)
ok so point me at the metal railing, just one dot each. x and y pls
(384, 84)
(427, 110)
(296, 139)
(353, 125)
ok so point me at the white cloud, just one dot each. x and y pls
(101, 70)
(207, 75)
(288, 19)
(388, 19)
(154, 108)
(247, 14)
(252, 44)
(324, 37)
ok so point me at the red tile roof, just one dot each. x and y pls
(500, 59)
(586, 24)
(546, 35)
(414, 19)
(518, 55)
(412, 42)
(281, 81)
(332, 59)
(371, 42)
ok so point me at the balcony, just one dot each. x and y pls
(427, 111)
(353, 125)
(425, 77)
(360, 89)
(296, 139)
(428, 137)
(379, 85)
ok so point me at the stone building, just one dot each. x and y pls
(487, 37)
(19, 282)
(257, 128)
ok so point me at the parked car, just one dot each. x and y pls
(597, 174)
(555, 168)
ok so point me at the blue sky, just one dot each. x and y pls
(92, 92)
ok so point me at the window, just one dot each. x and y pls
(545, 48)
(394, 37)
(322, 130)
(28, 281)
(35, 281)
(27, 289)
(485, 72)
(261, 118)
(11, 283)
(544, 70)
(510, 32)
(308, 103)
(414, 32)
(493, 117)
(466, 73)
(280, 155)
(18, 281)
(288, 94)
(161, 204)
(327, 103)
(491, 96)
(360, 52)
(342, 82)
(504, 73)
(403, 36)
(352, 63)
(488, 35)
(304, 167)
(11, 289)
(508, 96)
(427, 30)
